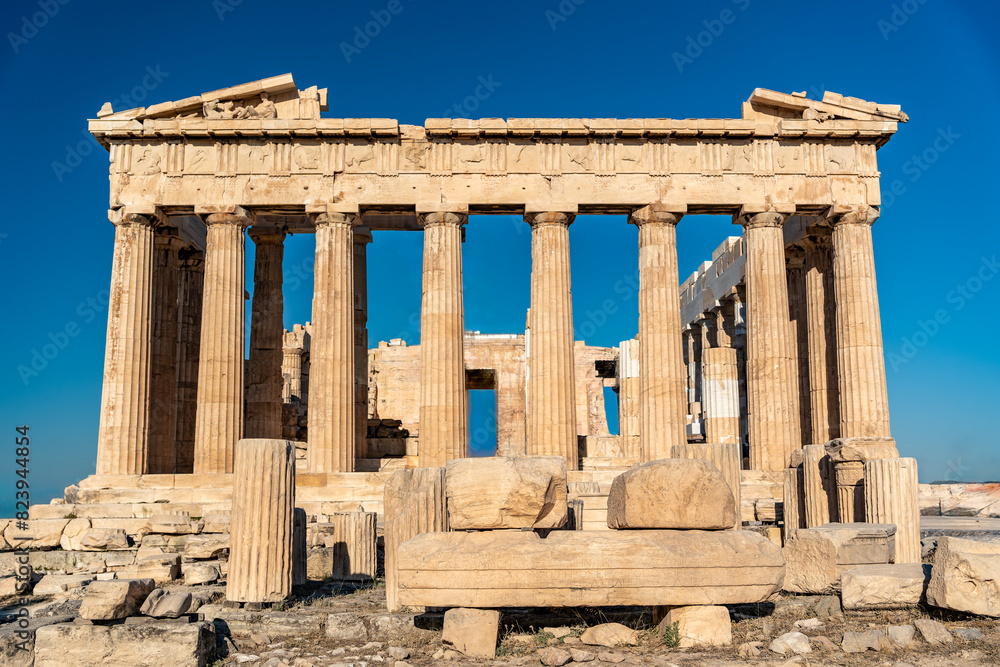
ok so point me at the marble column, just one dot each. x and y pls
(864, 404)
(362, 237)
(795, 276)
(266, 332)
(122, 445)
(772, 386)
(628, 392)
(163, 374)
(444, 431)
(793, 504)
(219, 423)
(891, 491)
(850, 491)
(662, 395)
(721, 395)
(820, 487)
(820, 319)
(191, 264)
(332, 434)
(552, 427)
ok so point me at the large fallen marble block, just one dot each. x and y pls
(890, 586)
(587, 568)
(966, 576)
(117, 598)
(816, 557)
(157, 644)
(506, 492)
(672, 493)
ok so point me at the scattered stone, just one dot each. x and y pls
(890, 586)
(54, 584)
(816, 557)
(571, 640)
(554, 656)
(791, 642)
(901, 635)
(161, 604)
(858, 642)
(672, 493)
(200, 573)
(579, 655)
(613, 658)
(968, 634)
(397, 653)
(828, 606)
(117, 598)
(750, 649)
(103, 539)
(346, 627)
(73, 533)
(161, 568)
(472, 631)
(610, 635)
(826, 644)
(558, 633)
(966, 576)
(932, 631)
(506, 492)
(809, 624)
(699, 625)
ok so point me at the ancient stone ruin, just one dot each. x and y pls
(259, 500)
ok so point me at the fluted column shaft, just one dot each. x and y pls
(891, 491)
(721, 390)
(662, 394)
(266, 333)
(362, 237)
(628, 392)
(163, 374)
(219, 424)
(864, 403)
(123, 433)
(795, 276)
(332, 435)
(189, 300)
(551, 378)
(772, 385)
(444, 432)
(820, 487)
(820, 320)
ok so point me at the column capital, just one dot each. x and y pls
(757, 217)
(448, 218)
(140, 214)
(362, 236)
(226, 214)
(266, 235)
(859, 215)
(669, 214)
(537, 218)
(335, 219)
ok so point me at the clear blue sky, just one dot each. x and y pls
(542, 59)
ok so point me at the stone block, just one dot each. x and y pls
(217, 521)
(506, 492)
(587, 568)
(890, 586)
(791, 643)
(41, 533)
(73, 533)
(206, 546)
(346, 627)
(815, 558)
(201, 573)
(162, 568)
(933, 632)
(610, 635)
(859, 642)
(55, 584)
(473, 632)
(162, 644)
(115, 598)
(699, 625)
(173, 524)
(672, 493)
(966, 576)
(164, 604)
(103, 539)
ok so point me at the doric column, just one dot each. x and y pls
(721, 395)
(662, 395)
(122, 436)
(891, 492)
(628, 392)
(266, 332)
(189, 306)
(772, 386)
(443, 405)
(163, 354)
(362, 237)
(219, 424)
(795, 277)
(820, 321)
(332, 434)
(690, 353)
(864, 404)
(820, 486)
(551, 382)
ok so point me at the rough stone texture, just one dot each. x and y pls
(816, 557)
(662, 403)
(726, 457)
(584, 568)
(554, 656)
(699, 626)
(472, 631)
(353, 543)
(819, 486)
(610, 635)
(859, 642)
(443, 409)
(219, 420)
(966, 576)
(672, 493)
(551, 391)
(161, 568)
(167, 604)
(415, 503)
(887, 586)
(72, 534)
(260, 562)
(891, 490)
(103, 539)
(772, 385)
(117, 598)
(933, 632)
(346, 627)
(166, 644)
(849, 456)
(263, 399)
(331, 383)
(901, 635)
(507, 492)
(206, 547)
(54, 584)
(791, 643)
(200, 573)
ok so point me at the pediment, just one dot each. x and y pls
(764, 104)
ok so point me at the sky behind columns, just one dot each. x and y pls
(936, 242)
